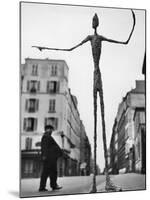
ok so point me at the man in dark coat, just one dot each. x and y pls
(50, 153)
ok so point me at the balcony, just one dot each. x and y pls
(33, 90)
(31, 110)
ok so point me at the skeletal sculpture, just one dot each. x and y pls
(96, 44)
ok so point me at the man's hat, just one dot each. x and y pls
(49, 127)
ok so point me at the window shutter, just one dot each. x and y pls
(47, 86)
(35, 124)
(38, 86)
(49, 121)
(49, 105)
(63, 70)
(32, 69)
(37, 104)
(52, 70)
(55, 70)
(29, 123)
(26, 143)
(57, 86)
(37, 69)
(30, 143)
(24, 125)
(54, 105)
(28, 85)
(26, 104)
(56, 123)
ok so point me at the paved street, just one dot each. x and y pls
(82, 184)
(71, 185)
(127, 182)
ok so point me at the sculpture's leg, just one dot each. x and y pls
(95, 139)
(109, 185)
(103, 122)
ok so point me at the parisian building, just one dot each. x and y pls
(85, 153)
(140, 130)
(47, 99)
(144, 66)
(140, 140)
(113, 151)
(124, 145)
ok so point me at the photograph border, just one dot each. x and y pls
(20, 52)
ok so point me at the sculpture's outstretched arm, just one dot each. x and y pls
(119, 42)
(56, 49)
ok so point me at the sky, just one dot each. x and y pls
(65, 26)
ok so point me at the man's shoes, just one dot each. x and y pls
(57, 187)
(43, 190)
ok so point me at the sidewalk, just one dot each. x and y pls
(71, 185)
(127, 182)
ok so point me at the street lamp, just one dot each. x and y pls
(62, 138)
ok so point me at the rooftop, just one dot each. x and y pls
(46, 59)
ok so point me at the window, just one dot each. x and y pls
(28, 167)
(52, 121)
(30, 124)
(34, 70)
(116, 159)
(116, 146)
(33, 86)
(32, 105)
(54, 70)
(28, 143)
(52, 86)
(52, 103)
(116, 137)
(38, 144)
(138, 149)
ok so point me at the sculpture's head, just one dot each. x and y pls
(95, 21)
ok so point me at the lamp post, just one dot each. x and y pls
(62, 138)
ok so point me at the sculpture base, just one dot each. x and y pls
(93, 189)
(110, 186)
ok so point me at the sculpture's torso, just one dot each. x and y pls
(96, 49)
(96, 41)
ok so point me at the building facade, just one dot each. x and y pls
(46, 99)
(123, 145)
(140, 140)
(85, 153)
(113, 150)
